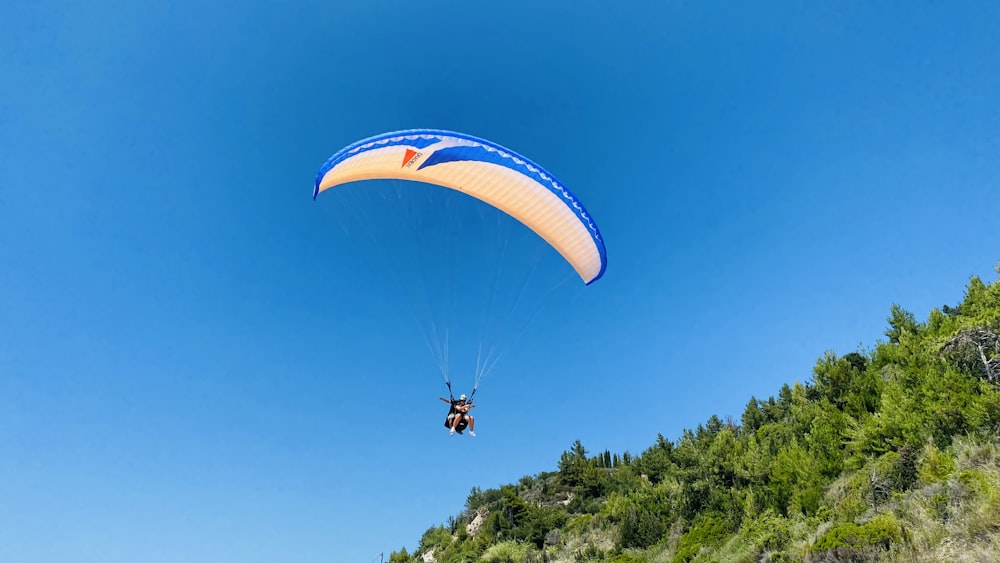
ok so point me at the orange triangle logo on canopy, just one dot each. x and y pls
(409, 155)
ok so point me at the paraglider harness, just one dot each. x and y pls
(463, 423)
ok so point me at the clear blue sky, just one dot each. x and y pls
(189, 351)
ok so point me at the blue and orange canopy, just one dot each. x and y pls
(483, 170)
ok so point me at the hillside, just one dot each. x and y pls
(887, 454)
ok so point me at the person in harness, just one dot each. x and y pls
(459, 417)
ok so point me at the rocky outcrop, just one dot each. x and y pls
(477, 522)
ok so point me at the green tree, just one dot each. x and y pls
(573, 464)
(640, 528)
(901, 323)
(753, 416)
(401, 556)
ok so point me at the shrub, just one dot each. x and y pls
(709, 531)
(881, 532)
(507, 552)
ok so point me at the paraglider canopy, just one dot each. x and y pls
(483, 170)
